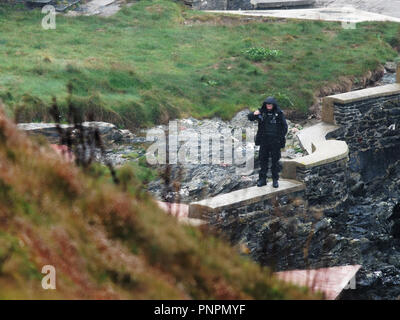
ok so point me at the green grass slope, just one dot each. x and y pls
(157, 60)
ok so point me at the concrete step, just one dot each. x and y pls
(270, 4)
(243, 197)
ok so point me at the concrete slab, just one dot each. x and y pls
(341, 14)
(364, 94)
(266, 4)
(320, 151)
(312, 137)
(330, 281)
(243, 197)
(330, 151)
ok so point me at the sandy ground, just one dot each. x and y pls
(386, 7)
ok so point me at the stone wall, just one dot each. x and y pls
(239, 5)
(325, 184)
(230, 220)
(370, 127)
(324, 171)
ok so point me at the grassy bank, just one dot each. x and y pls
(107, 241)
(155, 60)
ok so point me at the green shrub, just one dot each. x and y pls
(258, 54)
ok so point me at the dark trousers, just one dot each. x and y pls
(270, 149)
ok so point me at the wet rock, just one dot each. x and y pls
(358, 189)
(390, 66)
(394, 218)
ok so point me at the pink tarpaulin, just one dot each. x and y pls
(176, 209)
(329, 281)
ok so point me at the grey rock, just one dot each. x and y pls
(390, 66)
(108, 132)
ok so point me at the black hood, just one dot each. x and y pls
(271, 100)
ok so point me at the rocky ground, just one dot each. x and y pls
(198, 181)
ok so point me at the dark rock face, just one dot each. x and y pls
(373, 219)
(362, 230)
(395, 220)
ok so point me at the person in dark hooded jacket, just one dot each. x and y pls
(272, 130)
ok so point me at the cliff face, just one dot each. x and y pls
(105, 242)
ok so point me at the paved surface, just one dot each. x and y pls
(385, 7)
(320, 151)
(330, 281)
(244, 197)
(341, 14)
(315, 135)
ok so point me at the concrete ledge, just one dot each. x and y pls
(313, 136)
(243, 197)
(328, 152)
(321, 151)
(353, 96)
(363, 94)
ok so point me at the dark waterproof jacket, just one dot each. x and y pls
(263, 129)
